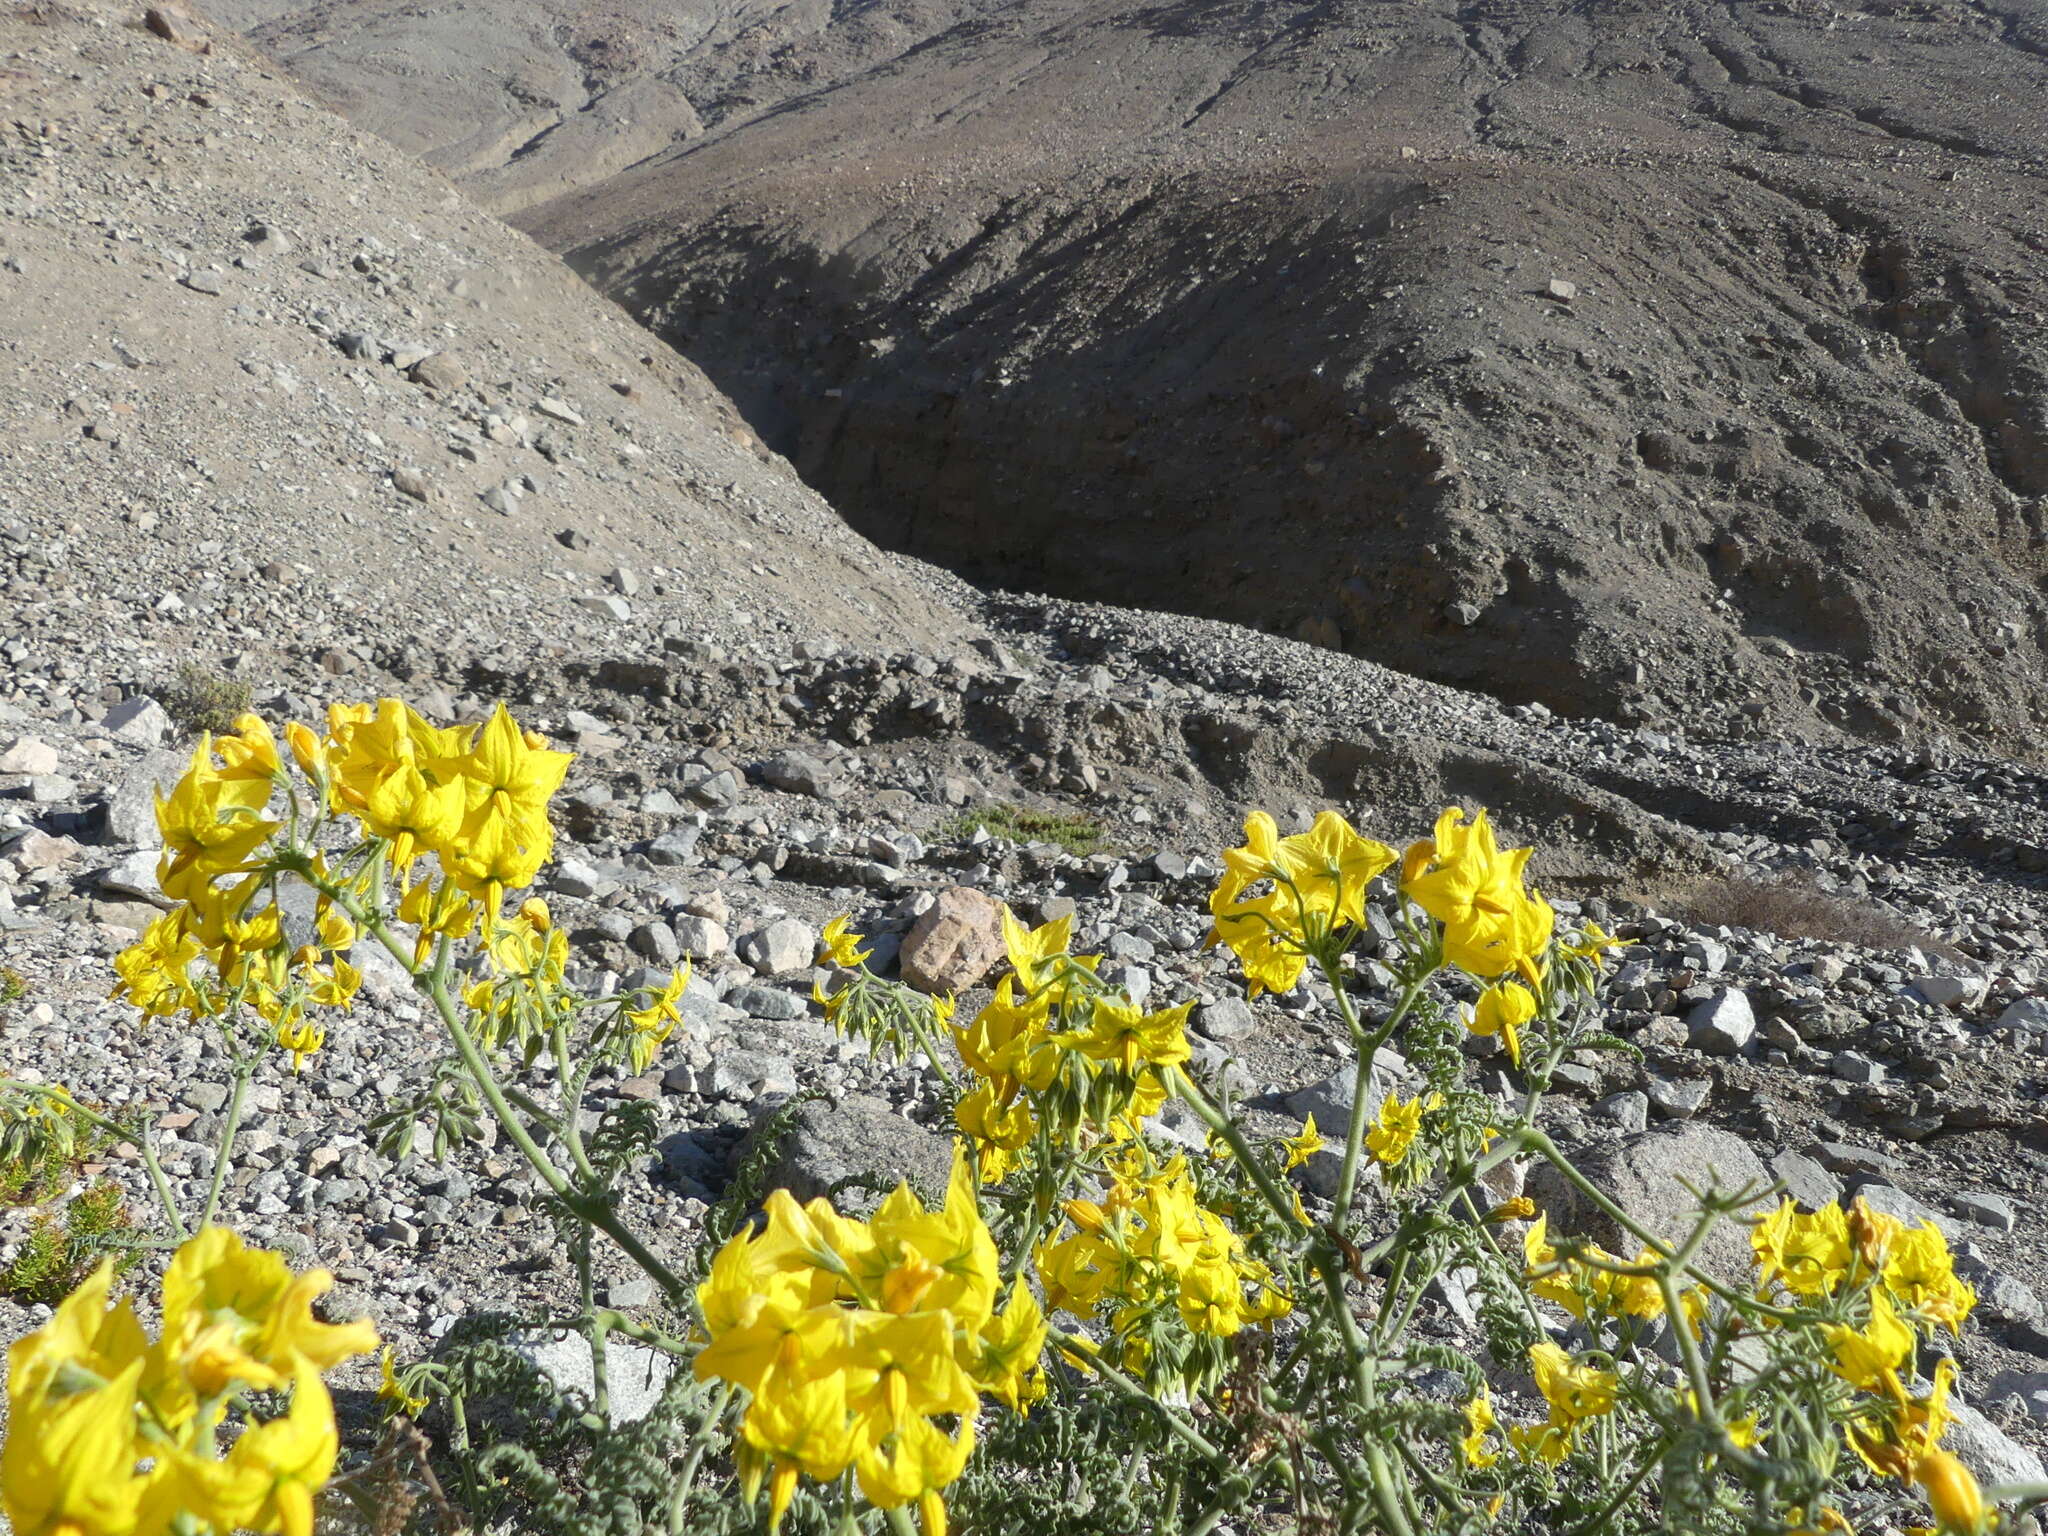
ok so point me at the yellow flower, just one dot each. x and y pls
(297, 1033)
(1574, 1391)
(1117, 1032)
(1300, 1148)
(840, 946)
(1479, 1423)
(1398, 1126)
(1314, 886)
(68, 1468)
(1035, 952)
(1871, 1356)
(392, 1391)
(1808, 1254)
(1920, 1273)
(1501, 1010)
(1460, 877)
(656, 1020)
(269, 1477)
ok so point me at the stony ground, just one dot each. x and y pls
(1834, 973)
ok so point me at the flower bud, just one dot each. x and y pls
(1952, 1493)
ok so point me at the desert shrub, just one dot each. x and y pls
(1793, 908)
(199, 699)
(1091, 1331)
(1072, 831)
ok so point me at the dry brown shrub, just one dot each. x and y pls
(1793, 908)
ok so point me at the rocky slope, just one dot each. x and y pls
(1659, 361)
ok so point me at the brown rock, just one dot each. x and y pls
(438, 371)
(953, 945)
(175, 27)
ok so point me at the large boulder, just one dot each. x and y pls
(856, 1137)
(1642, 1175)
(953, 945)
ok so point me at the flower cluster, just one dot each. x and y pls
(1283, 900)
(1057, 1053)
(110, 1434)
(1151, 1245)
(1891, 1282)
(858, 1342)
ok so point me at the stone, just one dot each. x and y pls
(953, 945)
(2029, 1013)
(1677, 1098)
(1641, 1173)
(1855, 1067)
(678, 845)
(656, 942)
(634, 1291)
(1950, 991)
(1986, 1209)
(702, 938)
(548, 406)
(30, 755)
(1562, 288)
(1227, 1018)
(857, 1137)
(1890, 1200)
(634, 1374)
(39, 850)
(134, 875)
(760, 1002)
(743, 1074)
(176, 28)
(780, 947)
(1805, 1180)
(606, 606)
(799, 773)
(408, 481)
(1989, 1452)
(573, 877)
(1629, 1110)
(437, 370)
(203, 281)
(140, 721)
(131, 802)
(1723, 1024)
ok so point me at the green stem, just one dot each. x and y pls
(113, 1127)
(224, 1153)
(1086, 1350)
(700, 1442)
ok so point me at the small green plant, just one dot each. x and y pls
(1077, 833)
(63, 1250)
(201, 700)
(13, 985)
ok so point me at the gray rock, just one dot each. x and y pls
(438, 371)
(1805, 1180)
(30, 755)
(1677, 1098)
(1989, 1452)
(139, 721)
(2030, 1013)
(952, 946)
(678, 845)
(634, 1374)
(1630, 1110)
(1890, 1200)
(1228, 1018)
(857, 1137)
(1855, 1067)
(736, 1073)
(780, 947)
(635, 1291)
(573, 877)
(1641, 1174)
(408, 481)
(798, 772)
(606, 606)
(701, 938)
(1986, 1209)
(657, 942)
(134, 875)
(1723, 1024)
(760, 1002)
(1950, 991)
